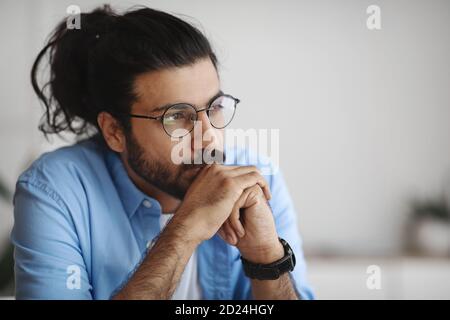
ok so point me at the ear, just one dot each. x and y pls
(112, 131)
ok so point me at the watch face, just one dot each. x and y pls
(290, 252)
(293, 261)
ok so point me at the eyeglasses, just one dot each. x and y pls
(179, 119)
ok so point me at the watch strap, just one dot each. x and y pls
(271, 271)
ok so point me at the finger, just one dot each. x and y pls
(243, 173)
(242, 170)
(236, 211)
(243, 201)
(235, 222)
(250, 179)
(222, 234)
(203, 171)
(233, 236)
(239, 171)
(267, 192)
(233, 239)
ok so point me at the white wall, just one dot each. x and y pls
(396, 278)
(363, 115)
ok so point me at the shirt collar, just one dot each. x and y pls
(132, 197)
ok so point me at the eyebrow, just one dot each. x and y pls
(166, 106)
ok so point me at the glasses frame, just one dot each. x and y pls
(161, 117)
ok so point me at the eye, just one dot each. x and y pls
(177, 116)
(216, 107)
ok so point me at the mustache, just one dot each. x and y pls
(200, 160)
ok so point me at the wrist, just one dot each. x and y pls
(193, 223)
(183, 228)
(264, 254)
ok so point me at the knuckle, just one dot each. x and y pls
(255, 175)
(222, 174)
(256, 189)
(228, 182)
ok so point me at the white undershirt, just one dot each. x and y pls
(189, 286)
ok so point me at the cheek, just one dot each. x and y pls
(145, 128)
(152, 138)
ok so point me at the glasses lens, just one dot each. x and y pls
(179, 120)
(222, 111)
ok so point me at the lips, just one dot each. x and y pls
(203, 158)
(194, 168)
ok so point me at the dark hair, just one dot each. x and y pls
(92, 69)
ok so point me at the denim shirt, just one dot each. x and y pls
(82, 228)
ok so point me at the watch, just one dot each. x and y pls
(271, 271)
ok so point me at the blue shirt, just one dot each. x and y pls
(82, 228)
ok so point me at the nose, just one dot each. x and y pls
(205, 135)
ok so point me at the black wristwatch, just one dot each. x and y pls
(271, 271)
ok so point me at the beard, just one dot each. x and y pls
(171, 179)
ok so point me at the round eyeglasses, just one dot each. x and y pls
(179, 119)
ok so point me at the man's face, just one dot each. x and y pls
(149, 148)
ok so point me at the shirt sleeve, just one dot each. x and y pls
(285, 217)
(48, 260)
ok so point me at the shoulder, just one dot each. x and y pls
(65, 171)
(65, 161)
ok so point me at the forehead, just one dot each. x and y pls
(194, 84)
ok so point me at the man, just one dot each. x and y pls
(117, 215)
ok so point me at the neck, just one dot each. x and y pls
(169, 204)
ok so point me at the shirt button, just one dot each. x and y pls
(147, 204)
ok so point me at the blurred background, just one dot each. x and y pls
(364, 120)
